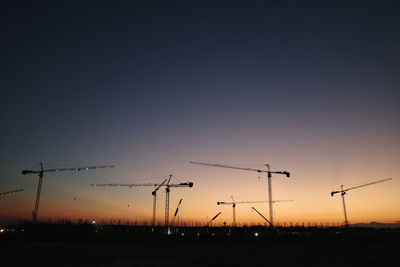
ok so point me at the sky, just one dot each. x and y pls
(311, 87)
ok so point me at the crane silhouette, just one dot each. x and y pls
(41, 174)
(165, 183)
(343, 192)
(268, 171)
(234, 203)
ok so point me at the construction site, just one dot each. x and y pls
(180, 243)
(122, 245)
(200, 133)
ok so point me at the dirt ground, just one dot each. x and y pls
(210, 252)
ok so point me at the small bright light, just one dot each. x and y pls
(93, 222)
(183, 234)
(1, 230)
(255, 234)
(198, 234)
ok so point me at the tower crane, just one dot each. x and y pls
(154, 193)
(176, 211)
(213, 218)
(167, 190)
(11, 192)
(343, 191)
(233, 203)
(269, 175)
(270, 223)
(41, 173)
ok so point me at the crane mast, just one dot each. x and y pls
(234, 214)
(269, 177)
(154, 193)
(346, 222)
(39, 189)
(41, 172)
(343, 192)
(167, 203)
(270, 203)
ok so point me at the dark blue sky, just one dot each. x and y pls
(135, 82)
(77, 71)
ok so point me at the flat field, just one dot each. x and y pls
(365, 249)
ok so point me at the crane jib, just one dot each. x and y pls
(68, 169)
(241, 168)
(42, 171)
(355, 187)
(187, 184)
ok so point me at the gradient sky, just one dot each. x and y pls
(311, 87)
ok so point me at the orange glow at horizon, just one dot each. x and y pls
(309, 89)
(312, 203)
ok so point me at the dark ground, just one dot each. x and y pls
(118, 247)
